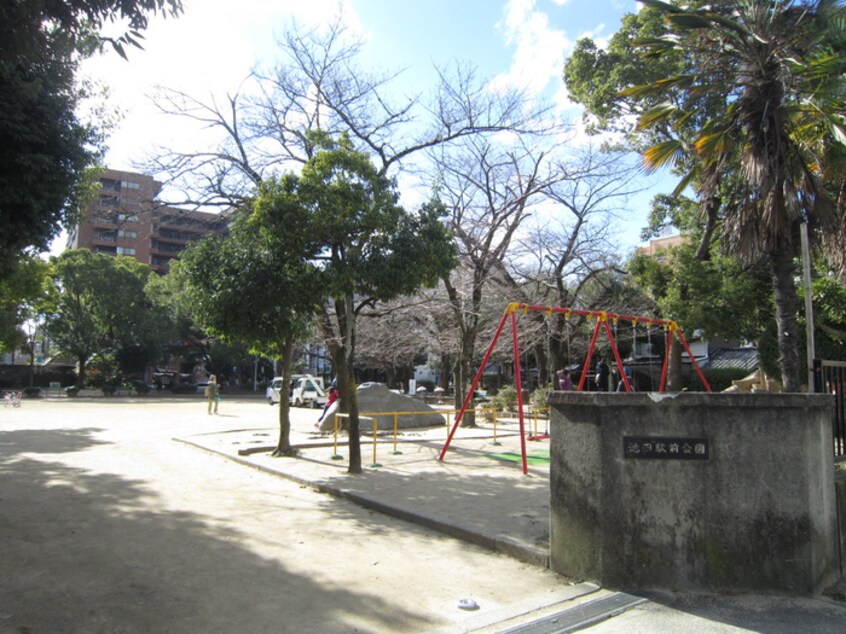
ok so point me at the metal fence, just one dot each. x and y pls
(830, 378)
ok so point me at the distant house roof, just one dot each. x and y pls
(743, 358)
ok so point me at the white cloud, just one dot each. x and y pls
(539, 49)
(209, 50)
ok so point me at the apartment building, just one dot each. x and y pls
(127, 220)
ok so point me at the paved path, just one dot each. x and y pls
(107, 524)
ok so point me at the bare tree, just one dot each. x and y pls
(275, 120)
(490, 189)
(392, 337)
(566, 255)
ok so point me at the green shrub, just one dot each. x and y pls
(31, 392)
(72, 391)
(540, 397)
(505, 399)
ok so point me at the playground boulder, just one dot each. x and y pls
(377, 398)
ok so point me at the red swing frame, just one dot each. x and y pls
(602, 317)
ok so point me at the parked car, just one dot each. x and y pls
(274, 390)
(305, 390)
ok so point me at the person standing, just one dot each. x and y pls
(331, 398)
(565, 380)
(602, 371)
(621, 386)
(213, 394)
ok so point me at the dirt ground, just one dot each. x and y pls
(109, 525)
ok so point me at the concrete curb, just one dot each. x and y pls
(504, 544)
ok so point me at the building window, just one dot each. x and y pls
(126, 251)
(123, 233)
(167, 247)
(127, 217)
(130, 185)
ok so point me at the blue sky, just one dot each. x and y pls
(212, 47)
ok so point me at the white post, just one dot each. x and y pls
(809, 306)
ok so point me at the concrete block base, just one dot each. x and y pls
(694, 491)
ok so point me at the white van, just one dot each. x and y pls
(306, 390)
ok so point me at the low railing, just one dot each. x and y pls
(830, 378)
(374, 418)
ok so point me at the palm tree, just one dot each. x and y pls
(778, 67)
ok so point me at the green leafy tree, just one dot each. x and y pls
(71, 321)
(245, 289)
(718, 296)
(46, 148)
(370, 249)
(779, 68)
(767, 78)
(829, 295)
(98, 306)
(20, 296)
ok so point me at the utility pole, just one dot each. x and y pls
(809, 307)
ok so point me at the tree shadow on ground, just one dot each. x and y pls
(489, 498)
(83, 552)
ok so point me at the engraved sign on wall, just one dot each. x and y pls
(665, 448)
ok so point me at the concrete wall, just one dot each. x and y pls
(694, 490)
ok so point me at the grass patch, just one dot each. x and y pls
(536, 456)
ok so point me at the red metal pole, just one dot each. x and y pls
(586, 366)
(518, 381)
(617, 357)
(663, 385)
(476, 380)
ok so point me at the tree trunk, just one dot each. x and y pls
(463, 377)
(32, 363)
(80, 377)
(349, 405)
(783, 273)
(542, 362)
(283, 447)
(339, 335)
(445, 371)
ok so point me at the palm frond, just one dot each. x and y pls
(662, 154)
(658, 5)
(686, 180)
(675, 82)
(657, 45)
(688, 21)
(716, 143)
(661, 112)
(825, 68)
(638, 92)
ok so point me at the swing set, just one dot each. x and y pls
(602, 318)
